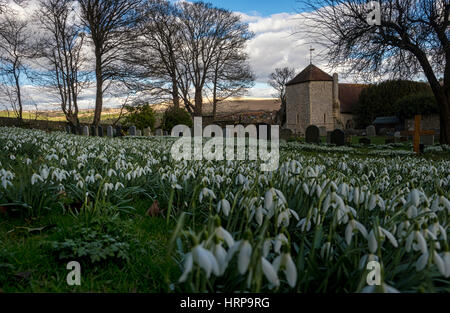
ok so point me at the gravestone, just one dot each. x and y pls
(365, 141)
(147, 132)
(132, 131)
(427, 140)
(338, 138)
(371, 131)
(68, 130)
(100, 131)
(323, 131)
(313, 134)
(285, 134)
(329, 137)
(93, 132)
(118, 131)
(85, 131)
(110, 131)
(139, 133)
(165, 133)
(159, 132)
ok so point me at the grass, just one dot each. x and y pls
(26, 265)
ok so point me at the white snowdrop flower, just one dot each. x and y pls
(304, 224)
(206, 260)
(279, 241)
(80, 184)
(107, 187)
(326, 251)
(422, 262)
(223, 234)
(351, 227)
(412, 212)
(206, 193)
(267, 245)
(283, 218)
(118, 186)
(245, 254)
(373, 243)
(221, 256)
(44, 173)
(240, 179)
(446, 259)
(259, 215)
(224, 206)
(12, 157)
(305, 188)
(366, 259)
(176, 186)
(269, 272)
(389, 235)
(269, 204)
(98, 177)
(28, 162)
(36, 178)
(415, 197)
(287, 265)
(111, 172)
(439, 263)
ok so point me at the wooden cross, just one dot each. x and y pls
(418, 132)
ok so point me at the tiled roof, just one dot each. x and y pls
(349, 96)
(311, 73)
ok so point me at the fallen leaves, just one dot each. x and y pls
(154, 210)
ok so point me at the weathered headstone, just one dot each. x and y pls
(110, 131)
(147, 132)
(286, 134)
(118, 131)
(85, 131)
(329, 137)
(365, 141)
(323, 131)
(166, 133)
(139, 133)
(338, 138)
(132, 131)
(313, 134)
(427, 140)
(371, 131)
(93, 131)
(159, 132)
(100, 131)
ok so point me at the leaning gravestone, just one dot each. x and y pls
(313, 134)
(323, 131)
(371, 131)
(159, 132)
(365, 141)
(285, 134)
(85, 131)
(132, 131)
(338, 138)
(110, 131)
(100, 131)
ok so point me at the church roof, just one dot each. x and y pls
(349, 96)
(311, 73)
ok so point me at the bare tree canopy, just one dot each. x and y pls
(278, 81)
(410, 38)
(61, 47)
(15, 48)
(110, 26)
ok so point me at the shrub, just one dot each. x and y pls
(141, 116)
(421, 103)
(176, 116)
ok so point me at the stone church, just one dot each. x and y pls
(316, 98)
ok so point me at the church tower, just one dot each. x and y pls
(311, 100)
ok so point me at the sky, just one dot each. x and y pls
(275, 45)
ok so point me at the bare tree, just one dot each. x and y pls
(110, 25)
(278, 81)
(61, 47)
(15, 49)
(205, 30)
(153, 55)
(411, 37)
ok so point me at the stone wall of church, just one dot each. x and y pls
(297, 108)
(321, 104)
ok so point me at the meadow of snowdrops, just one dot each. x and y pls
(311, 226)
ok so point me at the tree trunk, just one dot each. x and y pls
(444, 105)
(198, 102)
(175, 94)
(99, 95)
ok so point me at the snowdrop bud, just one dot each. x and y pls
(245, 254)
(373, 244)
(269, 272)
